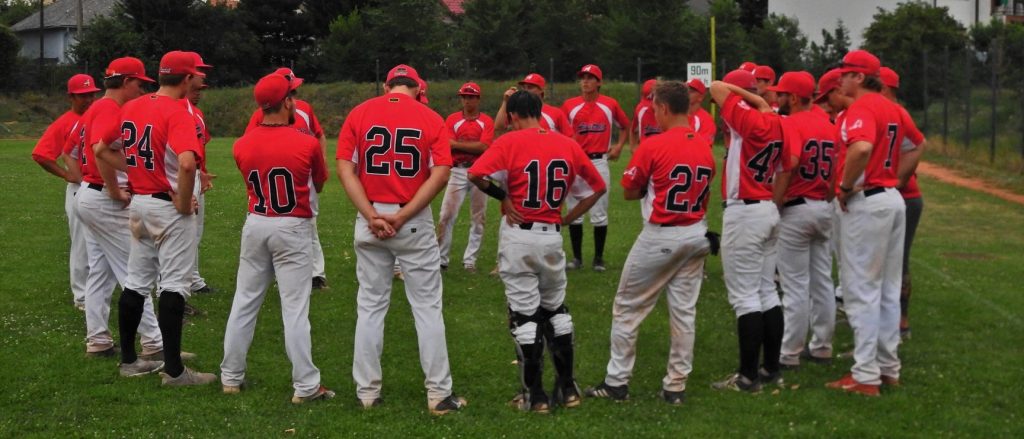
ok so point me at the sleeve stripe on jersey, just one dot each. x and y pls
(580, 188)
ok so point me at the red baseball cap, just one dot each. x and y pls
(199, 61)
(647, 91)
(860, 61)
(469, 89)
(403, 71)
(889, 77)
(271, 90)
(697, 85)
(590, 69)
(534, 79)
(177, 62)
(129, 67)
(741, 78)
(766, 73)
(795, 83)
(422, 94)
(81, 84)
(828, 82)
(748, 66)
(288, 74)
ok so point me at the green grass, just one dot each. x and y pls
(1008, 157)
(962, 374)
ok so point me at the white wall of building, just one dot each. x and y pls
(57, 44)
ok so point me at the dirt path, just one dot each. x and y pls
(949, 176)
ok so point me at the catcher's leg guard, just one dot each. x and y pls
(530, 350)
(558, 332)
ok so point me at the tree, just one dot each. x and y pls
(160, 21)
(752, 13)
(780, 44)
(224, 41)
(107, 38)
(833, 46)
(322, 13)
(9, 46)
(900, 37)
(671, 32)
(732, 43)
(281, 28)
(13, 11)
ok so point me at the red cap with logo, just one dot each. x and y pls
(177, 62)
(81, 84)
(199, 61)
(469, 89)
(860, 61)
(697, 85)
(748, 66)
(795, 83)
(889, 77)
(647, 91)
(766, 73)
(288, 74)
(421, 95)
(271, 90)
(534, 79)
(403, 71)
(828, 82)
(590, 69)
(741, 78)
(128, 67)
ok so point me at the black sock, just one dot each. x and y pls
(171, 314)
(750, 328)
(774, 324)
(600, 233)
(576, 236)
(129, 314)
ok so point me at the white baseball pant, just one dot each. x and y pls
(836, 239)
(805, 272)
(873, 230)
(599, 213)
(749, 232)
(273, 248)
(163, 247)
(78, 260)
(319, 265)
(454, 195)
(662, 257)
(107, 240)
(415, 248)
(532, 267)
(197, 280)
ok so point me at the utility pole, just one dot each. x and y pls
(41, 45)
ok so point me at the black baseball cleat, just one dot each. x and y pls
(368, 404)
(674, 398)
(806, 355)
(192, 311)
(450, 404)
(599, 266)
(737, 382)
(603, 390)
(567, 396)
(522, 402)
(206, 289)
(770, 379)
(110, 352)
(319, 283)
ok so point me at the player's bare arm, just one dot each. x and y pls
(857, 156)
(475, 147)
(109, 155)
(512, 216)
(184, 201)
(438, 180)
(632, 194)
(583, 206)
(501, 122)
(782, 180)
(73, 173)
(109, 175)
(357, 194)
(54, 168)
(908, 163)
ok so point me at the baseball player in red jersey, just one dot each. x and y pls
(592, 116)
(204, 180)
(911, 197)
(307, 122)
(872, 223)
(700, 120)
(81, 93)
(539, 169)
(749, 228)
(552, 118)
(106, 220)
(162, 152)
(393, 159)
(277, 239)
(765, 77)
(643, 123)
(470, 133)
(671, 174)
(802, 192)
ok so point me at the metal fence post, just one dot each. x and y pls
(994, 65)
(967, 100)
(945, 94)
(924, 86)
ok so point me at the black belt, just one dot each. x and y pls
(162, 196)
(873, 191)
(463, 164)
(529, 226)
(381, 202)
(95, 187)
(795, 202)
(596, 156)
(678, 225)
(746, 201)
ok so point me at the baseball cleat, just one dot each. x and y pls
(188, 377)
(367, 404)
(319, 283)
(205, 289)
(444, 267)
(494, 272)
(399, 275)
(905, 334)
(770, 379)
(139, 368)
(80, 306)
(674, 398)
(890, 381)
(522, 403)
(603, 390)
(321, 394)
(737, 382)
(848, 384)
(470, 268)
(112, 351)
(806, 355)
(192, 311)
(574, 264)
(599, 266)
(231, 390)
(789, 367)
(450, 404)
(159, 356)
(567, 396)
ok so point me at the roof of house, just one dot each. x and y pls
(64, 13)
(455, 6)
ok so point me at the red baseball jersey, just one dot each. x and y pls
(155, 129)
(394, 141)
(643, 123)
(100, 123)
(280, 166)
(915, 137)
(704, 125)
(478, 129)
(539, 169)
(813, 141)
(837, 174)
(202, 133)
(305, 119)
(676, 167)
(553, 119)
(51, 144)
(754, 151)
(592, 122)
(874, 119)
(820, 112)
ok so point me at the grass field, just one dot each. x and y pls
(962, 369)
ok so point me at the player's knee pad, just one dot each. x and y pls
(524, 327)
(560, 321)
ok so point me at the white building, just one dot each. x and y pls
(60, 24)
